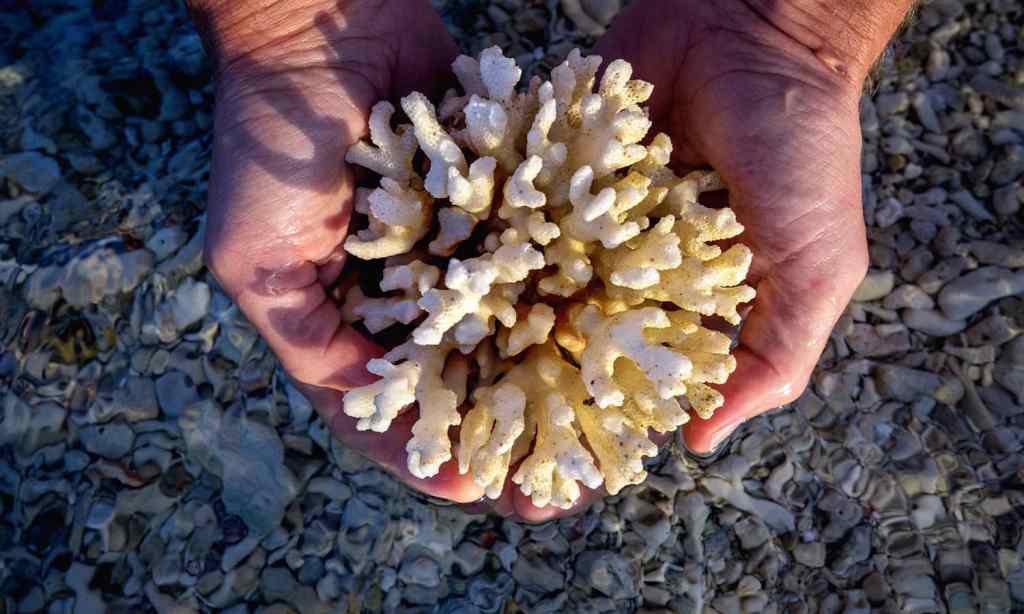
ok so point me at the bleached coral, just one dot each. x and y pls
(554, 271)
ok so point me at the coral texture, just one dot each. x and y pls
(556, 271)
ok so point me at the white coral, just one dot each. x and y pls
(411, 280)
(399, 217)
(391, 153)
(587, 218)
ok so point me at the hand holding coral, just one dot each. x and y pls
(770, 100)
(291, 99)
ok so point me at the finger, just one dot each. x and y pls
(303, 326)
(388, 449)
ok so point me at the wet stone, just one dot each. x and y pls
(609, 573)
(111, 441)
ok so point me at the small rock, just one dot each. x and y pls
(908, 385)
(908, 296)
(609, 573)
(278, 583)
(249, 458)
(111, 441)
(971, 205)
(963, 297)
(166, 241)
(190, 303)
(810, 554)
(176, 392)
(31, 170)
(926, 112)
(751, 533)
(866, 340)
(469, 558)
(876, 285)
(889, 211)
(422, 571)
(990, 252)
(892, 104)
(1006, 200)
(931, 322)
(88, 279)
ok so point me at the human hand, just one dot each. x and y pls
(769, 98)
(295, 84)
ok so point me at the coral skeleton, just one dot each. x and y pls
(554, 272)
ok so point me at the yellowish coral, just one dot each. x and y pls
(570, 326)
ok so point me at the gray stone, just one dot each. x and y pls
(810, 554)
(892, 104)
(1006, 200)
(926, 112)
(538, 574)
(931, 322)
(1009, 370)
(111, 441)
(876, 285)
(187, 305)
(866, 340)
(176, 392)
(990, 252)
(609, 573)
(420, 570)
(469, 558)
(134, 400)
(31, 170)
(971, 205)
(889, 211)
(249, 458)
(908, 296)
(904, 384)
(88, 279)
(166, 241)
(970, 293)
(752, 533)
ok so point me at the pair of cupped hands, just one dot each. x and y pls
(774, 111)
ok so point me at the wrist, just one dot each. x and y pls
(236, 29)
(847, 36)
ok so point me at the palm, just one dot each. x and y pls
(281, 195)
(782, 130)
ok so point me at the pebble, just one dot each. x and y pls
(931, 322)
(990, 252)
(164, 242)
(876, 285)
(810, 554)
(31, 170)
(249, 457)
(88, 280)
(175, 392)
(608, 573)
(421, 570)
(905, 384)
(111, 441)
(971, 205)
(970, 293)
(908, 296)
(752, 533)
(1007, 199)
(889, 211)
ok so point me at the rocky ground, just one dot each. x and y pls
(153, 456)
